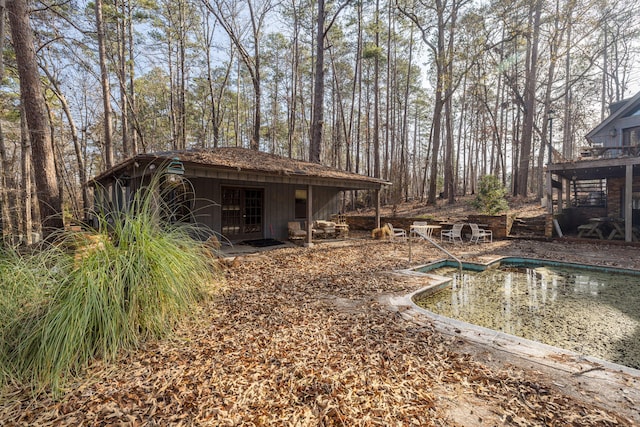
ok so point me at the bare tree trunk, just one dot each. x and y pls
(57, 156)
(376, 98)
(237, 116)
(5, 188)
(106, 90)
(567, 127)
(404, 137)
(122, 79)
(257, 90)
(5, 201)
(36, 115)
(252, 62)
(315, 146)
(354, 88)
(182, 107)
(82, 172)
(530, 101)
(343, 131)
(131, 88)
(173, 102)
(26, 226)
(293, 94)
(217, 112)
(389, 141)
(546, 145)
(449, 188)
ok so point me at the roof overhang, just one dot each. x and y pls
(628, 106)
(283, 170)
(595, 169)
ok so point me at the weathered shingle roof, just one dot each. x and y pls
(242, 159)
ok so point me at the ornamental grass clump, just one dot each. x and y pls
(23, 285)
(135, 281)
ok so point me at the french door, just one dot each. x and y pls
(242, 213)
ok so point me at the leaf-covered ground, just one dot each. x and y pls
(298, 337)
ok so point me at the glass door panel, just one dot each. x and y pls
(242, 211)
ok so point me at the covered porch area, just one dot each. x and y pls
(600, 197)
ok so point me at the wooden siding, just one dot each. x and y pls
(279, 203)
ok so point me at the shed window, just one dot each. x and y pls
(301, 204)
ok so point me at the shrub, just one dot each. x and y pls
(490, 199)
(133, 283)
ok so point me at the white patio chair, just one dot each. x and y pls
(455, 233)
(478, 233)
(421, 230)
(397, 232)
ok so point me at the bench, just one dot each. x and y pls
(590, 230)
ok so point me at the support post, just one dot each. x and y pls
(628, 197)
(550, 116)
(309, 242)
(549, 192)
(561, 195)
(377, 195)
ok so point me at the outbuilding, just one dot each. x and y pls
(237, 193)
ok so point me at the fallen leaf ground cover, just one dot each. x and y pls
(298, 337)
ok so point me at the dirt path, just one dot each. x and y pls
(299, 337)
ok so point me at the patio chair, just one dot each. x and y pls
(478, 233)
(416, 230)
(295, 231)
(455, 233)
(397, 232)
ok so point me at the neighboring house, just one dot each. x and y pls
(240, 194)
(605, 180)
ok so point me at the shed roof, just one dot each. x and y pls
(251, 162)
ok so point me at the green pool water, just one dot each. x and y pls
(589, 311)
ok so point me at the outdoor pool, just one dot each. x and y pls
(588, 310)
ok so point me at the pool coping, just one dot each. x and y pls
(618, 383)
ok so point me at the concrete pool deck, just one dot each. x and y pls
(604, 383)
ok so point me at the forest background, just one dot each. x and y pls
(430, 95)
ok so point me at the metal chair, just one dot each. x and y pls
(397, 232)
(455, 233)
(478, 233)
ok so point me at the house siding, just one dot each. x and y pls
(610, 135)
(279, 204)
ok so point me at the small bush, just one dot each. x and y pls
(135, 282)
(491, 196)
